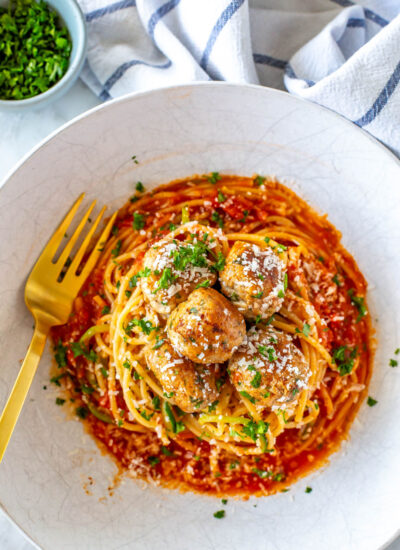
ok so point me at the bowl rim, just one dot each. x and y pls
(128, 97)
(205, 84)
(74, 68)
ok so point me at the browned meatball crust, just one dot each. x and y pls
(178, 264)
(206, 328)
(269, 368)
(190, 386)
(254, 279)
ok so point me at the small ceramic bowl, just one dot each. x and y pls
(74, 20)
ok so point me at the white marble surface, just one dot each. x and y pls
(19, 133)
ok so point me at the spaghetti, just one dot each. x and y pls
(234, 445)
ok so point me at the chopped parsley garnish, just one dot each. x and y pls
(214, 177)
(60, 354)
(219, 382)
(87, 389)
(257, 319)
(220, 514)
(221, 196)
(166, 279)
(156, 402)
(165, 451)
(267, 239)
(115, 251)
(343, 357)
(281, 294)
(393, 363)
(263, 474)
(212, 407)
(78, 349)
(308, 490)
(371, 401)
(134, 279)
(258, 295)
(104, 372)
(145, 326)
(56, 379)
(305, 330)
(194, 254)
(135, 159)
(60, 401)
(259, 180)
(220, 262)
(139, 187)
(159, 343)
(114, 230)
(126, 365)
(215, 217)
(105, 310)
(34, 49)
(138, 221)
(256, 382)
(359, 303)
(397, 351)
(82, 412)
(336, 280)
(285, 282)
(247, 396)
(224, 501)
(153, 460)
(134, 199)
(204, 284)
(245, 214)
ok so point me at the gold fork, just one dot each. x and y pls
(49, 294)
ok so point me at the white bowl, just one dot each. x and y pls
(176, 132)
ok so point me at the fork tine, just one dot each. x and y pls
(69, 246)
(55, 241)
(94, 256)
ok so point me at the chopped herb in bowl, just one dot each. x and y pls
(35, 49)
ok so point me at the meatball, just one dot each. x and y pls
(192, 387)
(254, 279)
(187, 257)
(269, 368)
(206, 328)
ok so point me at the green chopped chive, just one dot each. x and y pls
(35, 49)
(139, 187)
(153, 460)
(371, 401)
(308, 490)
(259, 180)
(138, 221)
(214, 177)
(220, 514)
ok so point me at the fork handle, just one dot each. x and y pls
(21, 387)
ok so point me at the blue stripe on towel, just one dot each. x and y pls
(369, 14)
(222, 20)
(121, 70)
(159, 14)
(111, 8)
(381, 100)
(262, 59)
(356, 22)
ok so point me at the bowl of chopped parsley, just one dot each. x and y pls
(42, 50)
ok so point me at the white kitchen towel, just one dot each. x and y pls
(342, 54)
